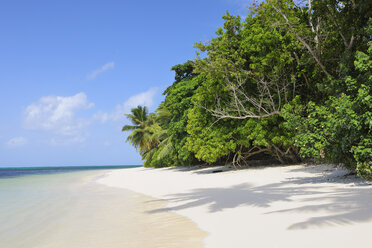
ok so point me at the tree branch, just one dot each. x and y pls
(304, 43)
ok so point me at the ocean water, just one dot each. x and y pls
(6, 172)
(65, 207)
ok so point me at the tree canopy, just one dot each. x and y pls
(292, 81)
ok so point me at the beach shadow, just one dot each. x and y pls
(346, 206)
(342, 205)
(219, 199)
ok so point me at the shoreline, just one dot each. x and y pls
(282, 206)
(73, 210)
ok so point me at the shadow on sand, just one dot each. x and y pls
(342, 203)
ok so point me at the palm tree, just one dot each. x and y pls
(141, 135)
(164, 117)
(148, 134)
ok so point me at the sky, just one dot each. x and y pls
(70, 70)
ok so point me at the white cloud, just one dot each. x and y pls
(144, 99)
(17, 142)
(57, 114)
(100, 70)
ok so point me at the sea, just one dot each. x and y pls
(64, 207)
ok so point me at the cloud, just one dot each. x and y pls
(100, 70)
(57, 114)
(144, 99)
(17, 142)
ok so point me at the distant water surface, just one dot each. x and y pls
(64, 207)
(22, 171)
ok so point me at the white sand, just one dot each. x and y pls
(291, 206)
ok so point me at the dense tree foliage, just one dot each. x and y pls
(290, 82)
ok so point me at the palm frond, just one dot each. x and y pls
(164, 116)
(165, 150)
(128, 128)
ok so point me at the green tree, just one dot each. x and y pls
(291, 79)
(141, 137)
(250, 73)
(339, 131)
(172, 118)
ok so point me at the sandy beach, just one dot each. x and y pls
(71, 210)
(280, 206)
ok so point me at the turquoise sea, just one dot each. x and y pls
(6, 172)
(64, 207)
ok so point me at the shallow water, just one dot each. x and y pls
(72, 210)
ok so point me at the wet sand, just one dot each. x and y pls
(72, 210)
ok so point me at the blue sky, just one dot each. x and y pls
(69, 70)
